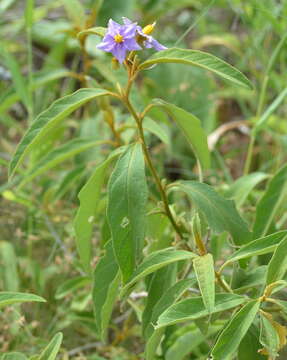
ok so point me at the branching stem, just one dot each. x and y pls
(138, 118)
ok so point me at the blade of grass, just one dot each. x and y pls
(204, 12)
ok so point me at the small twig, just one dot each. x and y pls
(222, 283)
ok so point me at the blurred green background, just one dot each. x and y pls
(42, 60)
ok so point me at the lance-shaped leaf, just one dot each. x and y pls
(98, 30)
(268, 205)
(105, 289)
(269, 335)
(10, 97)
(13, 356)
(18, 79)
(126, 209)
(249, 346)
(277, 266)
(51, 350)
(9, 266)
(270, 110)
(153, 127)
(58, 155)
(89, 200)
(188, 343)
(233, 333)
(220, 213)
(274, 287)
(242, 187)
(166, 300)
(191, 128)
(257, 247)
(199, 59)
(155, 261)
(9, 298)
(160, 281)
(282, 304)
(49, 120)
(204, 270)
(71, 285)
(194, 308)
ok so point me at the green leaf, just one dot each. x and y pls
(219, 212)
(29, 10)
(170, 297)
(269, 111)
(282, 304)
(166, 300)
(243, 186)
(126, 210)
(67, 182)
(89, 201)
(9, 263)
(153, 127)
(155, 261)
(51, 350)
(194, 308)
(257, 247)
(275, 287)
(250, 279)
(10, 298)
(58, 155)
(39, 79)
(204, 270)
(249, 346)
(233, 333)
(268, 205)
(5, 4)
(98, 30)
(191, 127)
(160, 281)
(269, 337)
(188, 342)
(18, 79)
(277, 266)
(200, 59)
(49, 120)
(71, 285)
(105, 289)
(13, 356)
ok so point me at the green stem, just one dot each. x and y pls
(253, 134)
(154, 173)
(249, 154)
(222, 283)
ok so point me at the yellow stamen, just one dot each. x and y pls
(118, 38)
(148, 29)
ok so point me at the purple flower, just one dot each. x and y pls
(119, 39)
(149, 41)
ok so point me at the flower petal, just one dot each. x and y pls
(106, 46)
(119, 52)
(131, 44)
(129, 31)
(126, 21)
(153, 43)
(113, 28)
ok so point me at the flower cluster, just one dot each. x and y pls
(120, 39)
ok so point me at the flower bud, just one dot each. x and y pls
(147, 30)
